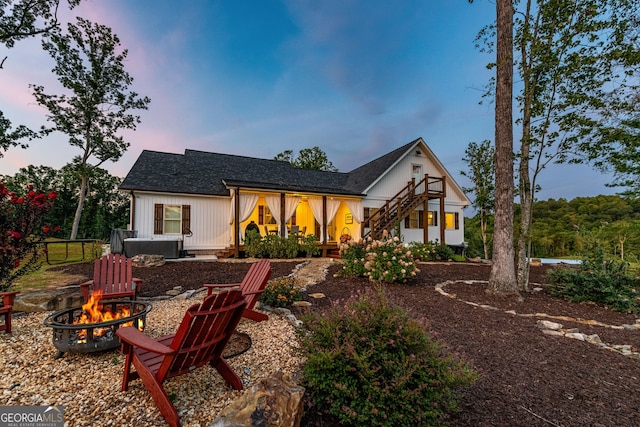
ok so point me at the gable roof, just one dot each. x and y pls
(363, 177)
(205, 173)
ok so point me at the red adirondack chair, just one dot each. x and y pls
(112, 274)
(201, 338)
(6, 309)
(252, 287)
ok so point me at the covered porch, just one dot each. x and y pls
(326, 216)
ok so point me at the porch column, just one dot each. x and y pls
(283, 226)
(325, 227)
(442, 213)
(236, 222)
(425, 221)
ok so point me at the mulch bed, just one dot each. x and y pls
(527, 378)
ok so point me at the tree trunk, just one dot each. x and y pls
(483, 233)
(503, 277)
(526, 203)
(78, 215)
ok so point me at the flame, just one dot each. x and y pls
(94, 312)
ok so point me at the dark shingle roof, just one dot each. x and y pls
(361, 178)
(199, 172)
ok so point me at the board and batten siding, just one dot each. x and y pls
(398, 177)
(209, 220)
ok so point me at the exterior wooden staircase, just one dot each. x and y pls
(402, 204)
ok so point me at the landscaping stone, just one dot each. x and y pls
(274, 401)
(147, 260)
(47, 300)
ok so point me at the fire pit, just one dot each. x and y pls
(92, 327)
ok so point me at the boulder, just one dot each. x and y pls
(274, 401)
(48, 300)
(147, 260)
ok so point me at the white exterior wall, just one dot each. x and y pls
(398, 177)
(209, 219)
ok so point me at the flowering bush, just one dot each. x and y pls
(21, 231)
(281, 292)
(353, 253)
(389, 261)
(380, 260)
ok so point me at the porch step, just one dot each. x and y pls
(225, 253)
(333, 253)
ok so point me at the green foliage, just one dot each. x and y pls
(369, 363)
(19, 20)
(560, 227)
(481, 172)
(308, 245)
(308, 158)
(379, 260)
(600, 280)
(431, 251)
(281, 292)
(105, 207)
(90, 65)
(22, 231)
(274, 246)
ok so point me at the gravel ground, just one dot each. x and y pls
(88, 385)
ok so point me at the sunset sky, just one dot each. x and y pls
(358, 78)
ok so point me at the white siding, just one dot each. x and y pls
(398, 177)
(209, 218)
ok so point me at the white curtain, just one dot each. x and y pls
(316, 207)
(248, 203)
(273, 201)
(290, 205)
(332, 208)
(355, 206)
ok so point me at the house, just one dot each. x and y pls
(205, 200)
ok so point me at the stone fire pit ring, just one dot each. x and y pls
(100, 336)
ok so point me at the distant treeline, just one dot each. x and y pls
(563, 228)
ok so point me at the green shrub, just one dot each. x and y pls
(369, 363)
(253, 244)
(281, 292)
(431, 251)
(308, 245)
(274, 246)
(599, 280)
(422, 251)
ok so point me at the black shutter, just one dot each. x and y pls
(158, 217)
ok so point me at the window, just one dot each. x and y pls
(452, 220)
(432, 218)
(171, 219)
(414, 220)
(265, 216)
(292, 220)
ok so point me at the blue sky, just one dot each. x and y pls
(358, 78)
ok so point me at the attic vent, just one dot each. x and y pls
(418, 153)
